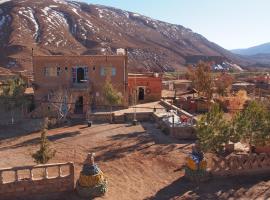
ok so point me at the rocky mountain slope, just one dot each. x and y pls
(66, 27)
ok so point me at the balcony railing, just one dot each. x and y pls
(81, 86)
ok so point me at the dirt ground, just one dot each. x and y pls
(141, 163)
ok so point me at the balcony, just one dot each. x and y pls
(81, 86)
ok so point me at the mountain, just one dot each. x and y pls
(55, 27)
(260, 49)
(258, 55)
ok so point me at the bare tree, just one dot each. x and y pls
(61, 100)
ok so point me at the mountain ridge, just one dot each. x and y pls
(58, 27)
(258, 49)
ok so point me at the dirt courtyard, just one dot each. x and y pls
(140, 162)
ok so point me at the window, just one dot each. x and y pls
(102, 71)
(51, 71)
(113, 71)
(58, 71)
(107, 70)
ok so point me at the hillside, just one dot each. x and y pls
(258, 55)
(260, 49)
(65, 27)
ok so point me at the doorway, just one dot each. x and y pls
(80, 75)
(79, 105)
(141, 94)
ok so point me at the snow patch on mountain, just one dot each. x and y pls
(3, 1)
(28, 13)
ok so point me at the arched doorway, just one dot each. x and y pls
(141, 94)
(80, 74)
(79, 105)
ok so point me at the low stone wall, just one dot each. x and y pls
(39, 182)
(126, 117)
(101, 117)
(254, 164)
(141, 116)
(180, 132)
(179, 111)
(183, 133)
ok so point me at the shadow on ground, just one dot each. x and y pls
(150, 141)
(36, 140)
(229, 188)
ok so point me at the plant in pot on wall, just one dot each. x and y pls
(253, 125)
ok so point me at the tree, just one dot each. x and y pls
(213, 130)
(13, 96)
(223, 84)
(112, 97)
(202, 80)
(253, 124)
(238, 101)
(60, 100)
(45, 153)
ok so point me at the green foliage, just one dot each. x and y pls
(45, 153)
(111, 95)
(13, 94)
(213, 130)
(253, 123)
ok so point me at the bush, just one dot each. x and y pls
(45, 153)
(213, 131)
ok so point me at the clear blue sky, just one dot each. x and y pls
(229, 23)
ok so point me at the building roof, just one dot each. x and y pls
(243, 84)
(150, 74)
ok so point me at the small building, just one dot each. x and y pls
(249, 87)
(148, 87)
(182, 85)
(80, 78)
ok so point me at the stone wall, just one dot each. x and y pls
(254, 164)
(179, 111)
(125, 117)
(48, 181)
(181, 133)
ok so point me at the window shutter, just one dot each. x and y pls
(113, 71)
(86, 73)
(102, 71)
(74, 74)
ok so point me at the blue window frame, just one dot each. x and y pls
(102, 71)
(113, 71)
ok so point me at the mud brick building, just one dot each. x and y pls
(82, 77)
(146, 87)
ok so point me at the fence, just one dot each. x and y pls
(253, 164)
(48, 181)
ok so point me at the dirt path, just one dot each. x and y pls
(140, 162)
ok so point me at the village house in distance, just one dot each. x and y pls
(79, 81)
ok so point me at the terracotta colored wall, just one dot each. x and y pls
(153, 84)
(44, 84)
(41, 188)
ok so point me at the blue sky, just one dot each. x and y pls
(229, 23)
